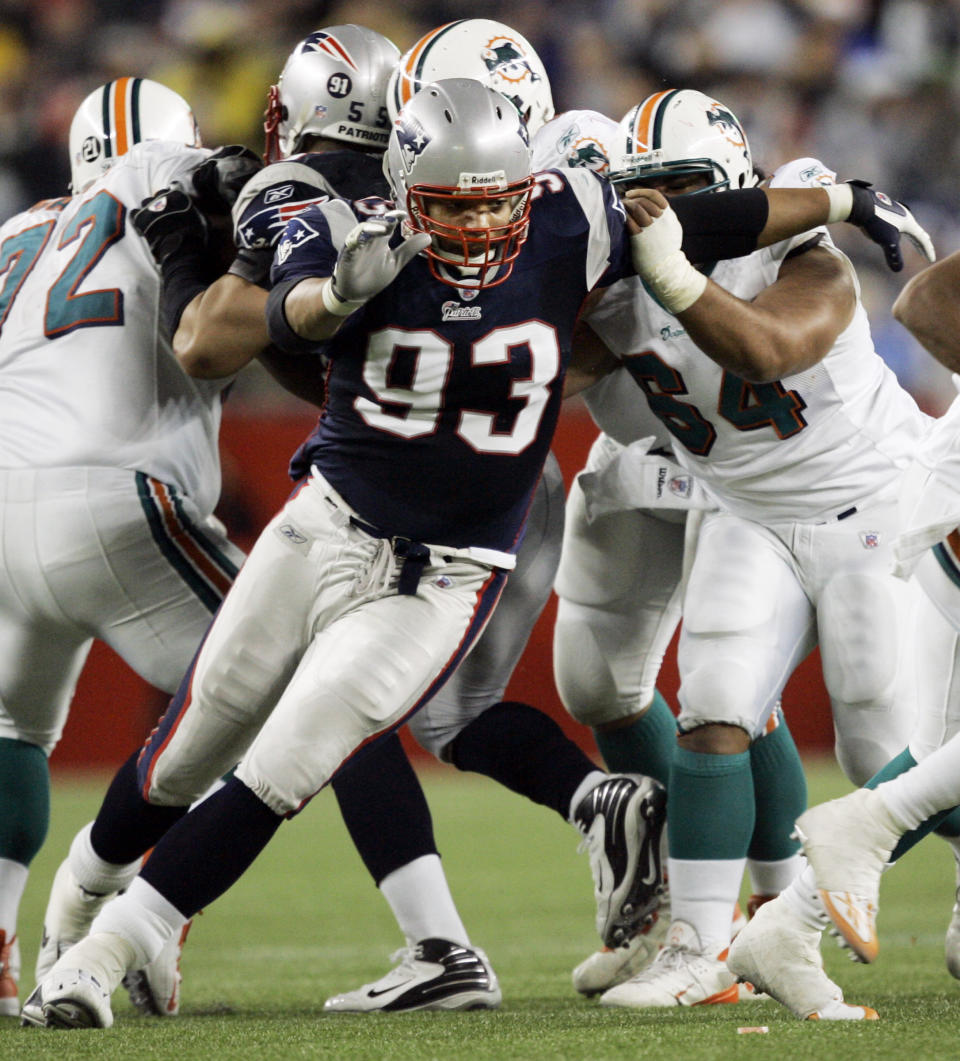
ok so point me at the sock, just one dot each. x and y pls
(710, 818)
(420, 899)
(770, 878)
(384, 809)
(949, 826)
(911, 796)
(24, 800)
(127, 826)
(645, 746)
(143, 918)
(526, 751)
(92, 873)
(780, 795)
(210, 848)
(13, 881)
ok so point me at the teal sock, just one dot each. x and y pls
(710, 812)
(780, 790)
(946, 822)
(24, 800)
(645, 746)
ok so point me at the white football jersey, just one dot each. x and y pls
(87, 375)
(805, 448)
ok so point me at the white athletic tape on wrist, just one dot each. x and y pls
(336, 305)
(841, 202)
(675, 282)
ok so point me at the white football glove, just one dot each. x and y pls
(885, 221)
(658, 259)
(367, 263)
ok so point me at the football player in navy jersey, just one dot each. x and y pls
(313, 150)
(366, 590)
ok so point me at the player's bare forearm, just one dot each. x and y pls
(306, 312)
(929, 308)
(793, 210)
(787, 328)
(222, 329)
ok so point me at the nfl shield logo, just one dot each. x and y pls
(870, 539)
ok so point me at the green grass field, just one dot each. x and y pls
(306, 922)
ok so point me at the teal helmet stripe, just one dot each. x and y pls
(135, 110)
(655, 139)
(105, 108)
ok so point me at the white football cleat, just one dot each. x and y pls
(848, 842)
(9, 975)
(155, 989)
(613, 965)
(435, 974)
(72, 998)
(779, 955)
(680, 975)
(621, 820)
(70, 913)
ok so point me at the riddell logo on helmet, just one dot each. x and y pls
(498, 179)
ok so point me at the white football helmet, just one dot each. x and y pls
(334, 84)
(682, 131)
(576, 140)
(120, 114)
(459, 140)
(481, 49)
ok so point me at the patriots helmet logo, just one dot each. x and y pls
(412, 138)
(327, 44)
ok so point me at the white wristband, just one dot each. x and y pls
(675, 282)
(841, 202)
(336, 305)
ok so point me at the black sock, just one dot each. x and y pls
(211, 848)
(127, 826)
(526, 751)
(384, 808)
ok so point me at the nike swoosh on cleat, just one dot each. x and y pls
(387, 990)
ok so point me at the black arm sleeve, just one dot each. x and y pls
(281, 334)
(721, 225)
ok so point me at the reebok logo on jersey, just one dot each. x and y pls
(453, 311)
(276, 195)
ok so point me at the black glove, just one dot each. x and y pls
(170, 223)
(176, 233)
(253, 265)
(218, 180)
(885, 222)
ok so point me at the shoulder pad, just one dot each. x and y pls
(271, 197)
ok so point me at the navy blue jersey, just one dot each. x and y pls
(442, 401)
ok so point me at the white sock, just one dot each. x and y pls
(590, 782)
(703, 892)
(770, 878)
(106, 956)
(142, 917)
(13, 880)
(803, 899)
(420, 899)
(92, 873)
(930, 786)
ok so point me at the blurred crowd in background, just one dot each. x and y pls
(870, 87)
